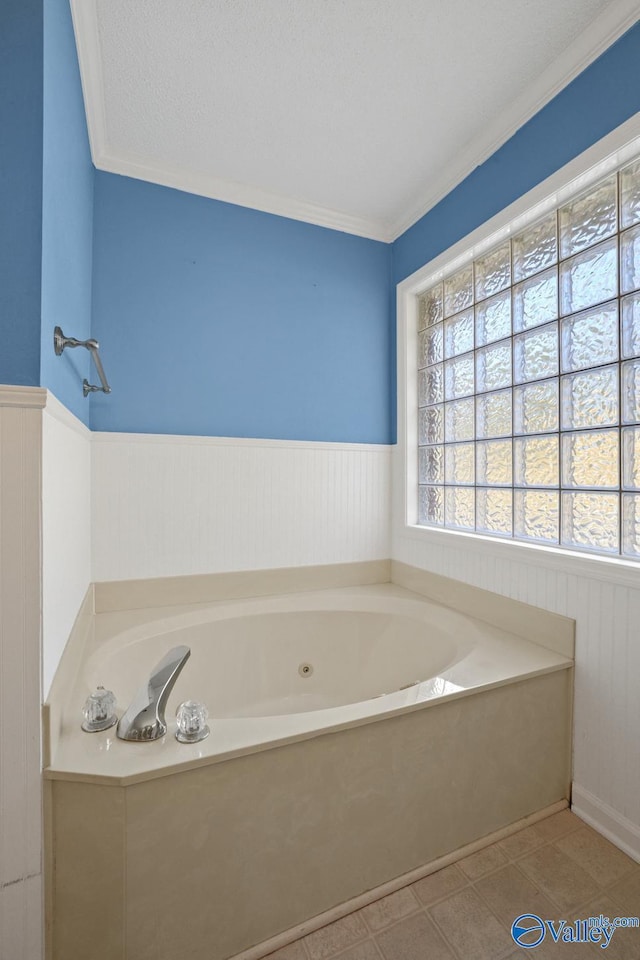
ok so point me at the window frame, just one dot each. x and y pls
(600, 160)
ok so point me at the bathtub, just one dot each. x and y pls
(357, 735)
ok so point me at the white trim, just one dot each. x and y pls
(85, 27)
(356, 903)
(59, 412)
(600, 34)
(595, 567)
(13, 396)
(604, 156)
(172, 439)
(242, 195)
(608, 27)
(607, 821)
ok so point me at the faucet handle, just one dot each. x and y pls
(99, 711)
(192, 722)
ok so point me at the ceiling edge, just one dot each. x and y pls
(608, 27)
(588, 46)
(242, 195)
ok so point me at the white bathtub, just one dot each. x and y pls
(418, 732)
(373, 651)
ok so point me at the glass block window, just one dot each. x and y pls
(529, 381)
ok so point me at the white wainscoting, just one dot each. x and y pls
(66, 529)
(20, 630)
(170, 506)
(605, 603)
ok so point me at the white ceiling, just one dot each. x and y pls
(356, 114)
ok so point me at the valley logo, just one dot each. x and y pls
(529, 930)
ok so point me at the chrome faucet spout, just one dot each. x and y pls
(145, 720)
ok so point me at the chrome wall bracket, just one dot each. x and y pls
(59, 344)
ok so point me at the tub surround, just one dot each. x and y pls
(240, 820)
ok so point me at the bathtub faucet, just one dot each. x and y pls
(144, 720)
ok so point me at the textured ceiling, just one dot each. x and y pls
(364, 108)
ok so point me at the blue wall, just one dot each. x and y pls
(67, 213)
(20, 190)
(601, 98)
(215, 319)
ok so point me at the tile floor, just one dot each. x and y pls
(558, 868)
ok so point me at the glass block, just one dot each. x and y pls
(535, 249)
(630, 259)
(631, 524)
(535, 407)
(590, 277)
(458, 377)
(431, 385)
(493, 271)
(431, 505)
(590, 399)
(458, 334)
(590, 459)
(631, 391)
(493, 366)
(493, 319)
(430, 346)
(535, 462)
(494, 511)
(631, 325)
(536, 515)
(493, 459)
(535, 301)
(459, 463)
(589, 218)
(458, 291)
(431, 464)
(459, 420)
(590, 338)
(493, 415)
(630, 194)
(535, 354)
(430, 425)
(590, 521)
(631, 458)
(460, 507)
(430, 306)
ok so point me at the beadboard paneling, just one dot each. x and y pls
(170, 506)
(20, 625)
(607, 676)
(66, 529)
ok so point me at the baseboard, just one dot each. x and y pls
(261, 950)
(607, 821)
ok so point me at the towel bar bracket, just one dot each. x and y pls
(59, 344)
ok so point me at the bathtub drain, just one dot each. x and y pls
(305, 669)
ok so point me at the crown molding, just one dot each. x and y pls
(242, 195)
(618, 17)
(13, 396)
(608, 27)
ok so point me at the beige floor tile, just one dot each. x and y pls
(484, 861)
(556, 826)
(293, 951)
(333, 939)
(509, 894)
(626, 894)
(604, 862)
(384, 912)
(415, 938)
(471, 928)
(366, 950)
(559, 877)
(521, 843)
(439, 885)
